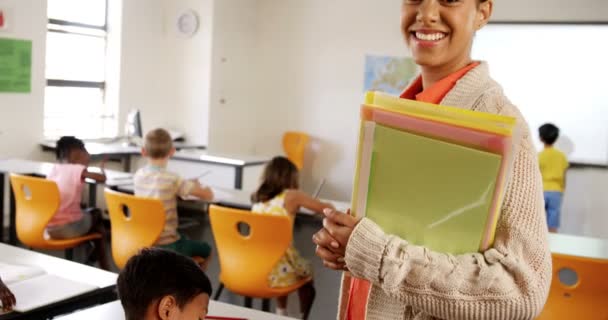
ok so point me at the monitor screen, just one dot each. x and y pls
(133, 125)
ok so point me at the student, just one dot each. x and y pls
(390, 278)
(155, 181)
(6, 297)
(553, 165)
(278, 194)
(160, 284)
(69, 174)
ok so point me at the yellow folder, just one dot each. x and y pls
(429, 192)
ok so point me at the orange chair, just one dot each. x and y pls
(586, 297)
(246, 260)
(136, 223)
(37, 201)
(294, 145)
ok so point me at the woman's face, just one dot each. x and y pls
(440, 32)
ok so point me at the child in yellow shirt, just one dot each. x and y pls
(553, 165)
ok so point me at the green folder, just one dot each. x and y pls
(426, 191)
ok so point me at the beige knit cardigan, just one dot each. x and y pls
(509, 281)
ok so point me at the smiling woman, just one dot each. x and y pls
(390, 278)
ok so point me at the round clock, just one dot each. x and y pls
(187, 23)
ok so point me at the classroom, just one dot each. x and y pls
(305, 159)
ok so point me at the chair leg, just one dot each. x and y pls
(248, 302)
(219, 292)
(69, 254)
(266, 305)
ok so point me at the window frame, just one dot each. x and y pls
(101, 85)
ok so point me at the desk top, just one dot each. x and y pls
(113, 310)
(114, 146)
(59, 267)
(99, 148)
(186, 152)
(231, 159)
(21, 166)
(578, 246)
(239, 199)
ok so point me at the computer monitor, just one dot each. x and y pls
(133, 129)
(133, 125)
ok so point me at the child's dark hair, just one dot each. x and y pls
(279, 174)
(548, 133)
(155, 273)
(66, 144)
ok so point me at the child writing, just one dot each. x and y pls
(160, 284)
(553, 165)
(278, 194)
(390, 278)
(69, 174)
(155, 181)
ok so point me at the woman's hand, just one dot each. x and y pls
(331, 241)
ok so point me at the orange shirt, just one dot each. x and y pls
(359, 289)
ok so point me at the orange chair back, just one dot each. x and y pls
(246, 260)
(294, 145)
(37, 201)
(136, 223)
(584, 299)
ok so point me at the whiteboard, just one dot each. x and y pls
(554, 73)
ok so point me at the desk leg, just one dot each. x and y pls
(92, 195)
(238, 178)
(2, 207)
(12, 228)
(126, 163)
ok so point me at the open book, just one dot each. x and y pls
(34, 288)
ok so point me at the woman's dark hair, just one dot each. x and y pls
(154, 273)
(279, 174)
(66, 144)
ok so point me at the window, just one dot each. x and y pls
(76, 71)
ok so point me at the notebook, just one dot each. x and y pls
(34, 288)
(427, 191)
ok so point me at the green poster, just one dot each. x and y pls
(15, 65)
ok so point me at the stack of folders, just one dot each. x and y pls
(432, 175)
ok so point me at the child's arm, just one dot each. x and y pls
(202, 192)
(294, 199)
(509, 281)
(98, 177)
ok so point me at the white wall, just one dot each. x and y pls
(551, 10)
(311, 59)
(21, 116)
(236, 77)
(166, 75)
(312, 55)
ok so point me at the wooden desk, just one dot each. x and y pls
(579, 246)
(42, 169)
(104, 280)
(114, 311)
